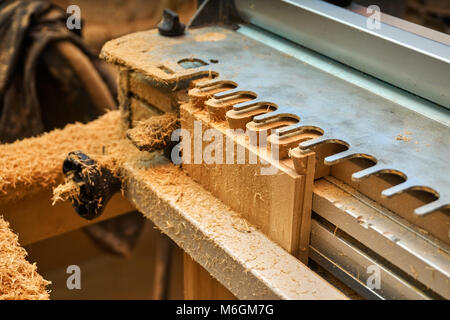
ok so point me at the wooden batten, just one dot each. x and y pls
(278, 204)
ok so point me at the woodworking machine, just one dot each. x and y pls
(357, 124)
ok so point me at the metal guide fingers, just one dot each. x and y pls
(282, 130)
(284, 142)
(219, 105)
(243, 113)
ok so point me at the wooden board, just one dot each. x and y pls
(246, 262)
(278, 204)
(139, 98)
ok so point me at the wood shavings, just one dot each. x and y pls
(69, 190)
(240, 224)
(403, 137)
(19, 279)
(155, 133)
(30, 165)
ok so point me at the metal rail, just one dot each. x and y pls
(403, 59)
(373, 227)
(353, 267)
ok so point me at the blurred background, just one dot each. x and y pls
(434, 14)
(51, 76)
(108, 19)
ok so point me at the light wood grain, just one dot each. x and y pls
(200, 285)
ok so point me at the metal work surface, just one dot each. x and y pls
(402, 58)
(373, 227)
(243, 259)
(350, 265)
(397, 139)
(381, 88)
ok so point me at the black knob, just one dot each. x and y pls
(170, 25)
(96, 184)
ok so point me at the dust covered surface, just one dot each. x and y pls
(218, 238)
(33, 164)
(211, 36)
(146, 52)
(19, 279)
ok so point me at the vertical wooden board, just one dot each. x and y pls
(163, 99)
(273, 203)
(309, 160)
(123, 95)
(200, 285)
(140, 110)
(283, 212)
(122, 85)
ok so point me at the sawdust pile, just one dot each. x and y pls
(19, 279)
(155, 133)
(30, 165)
